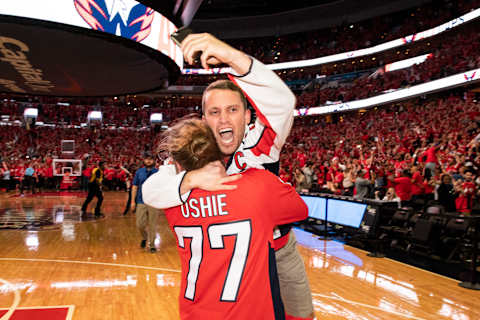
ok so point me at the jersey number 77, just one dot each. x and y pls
(241, 230)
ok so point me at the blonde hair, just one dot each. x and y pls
(191, 143)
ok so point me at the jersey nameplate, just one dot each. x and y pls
(204, 207)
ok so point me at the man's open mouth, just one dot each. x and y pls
(226, 135)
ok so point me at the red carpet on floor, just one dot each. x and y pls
(38, 314)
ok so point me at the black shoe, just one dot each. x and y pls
(143, 244)
(153, 249)
(99, 215)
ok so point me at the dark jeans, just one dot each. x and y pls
(84, 183)
(129, 201)
(93, 191)
(28, 182)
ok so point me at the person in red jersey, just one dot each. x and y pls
(466, 193)
(403, 187)
(417, 188)
(225, 238)
(431, 160)
(50, 179)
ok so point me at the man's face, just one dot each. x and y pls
(468, 176)
(148, 162)
(225, 114)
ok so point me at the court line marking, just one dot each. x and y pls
(71, 309)
(42, 307)
(15, 303)
(338, 298)
(393, 260)
(91, 262)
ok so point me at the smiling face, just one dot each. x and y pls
(226, 114)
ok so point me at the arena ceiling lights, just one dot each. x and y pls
(85, 47)
(472, 15)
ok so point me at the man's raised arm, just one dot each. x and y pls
(273, 101)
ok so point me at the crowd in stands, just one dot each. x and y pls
(420, 149)
(134, 113)
(314, 44)
(415, 151)
(456, 53)
(38, 147)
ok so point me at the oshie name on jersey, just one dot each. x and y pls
(204, 207)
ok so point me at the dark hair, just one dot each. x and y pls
(191, 143)
(406, 173)
(224, 85)
(148, 154)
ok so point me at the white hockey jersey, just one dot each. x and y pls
(274, 104)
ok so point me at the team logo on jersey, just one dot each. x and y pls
(469, 77)
(241, 166)
(126, 18)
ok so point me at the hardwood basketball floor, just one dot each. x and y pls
(98, 269)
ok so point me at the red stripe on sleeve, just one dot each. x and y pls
(265, 144)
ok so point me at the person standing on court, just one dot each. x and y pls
(146, 216)
(95, 189)
(244, 145)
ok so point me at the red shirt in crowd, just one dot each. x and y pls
(49, 172)
(431, 155)
(417, 185)
(403, 188)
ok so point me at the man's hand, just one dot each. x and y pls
(133, 207)
(211, 177)
(214, 52)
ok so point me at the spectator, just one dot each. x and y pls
(362, 186)
(300, 181)
(446, 193)
(403, 187)
(146, 216)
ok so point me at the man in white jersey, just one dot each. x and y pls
(244, 146)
